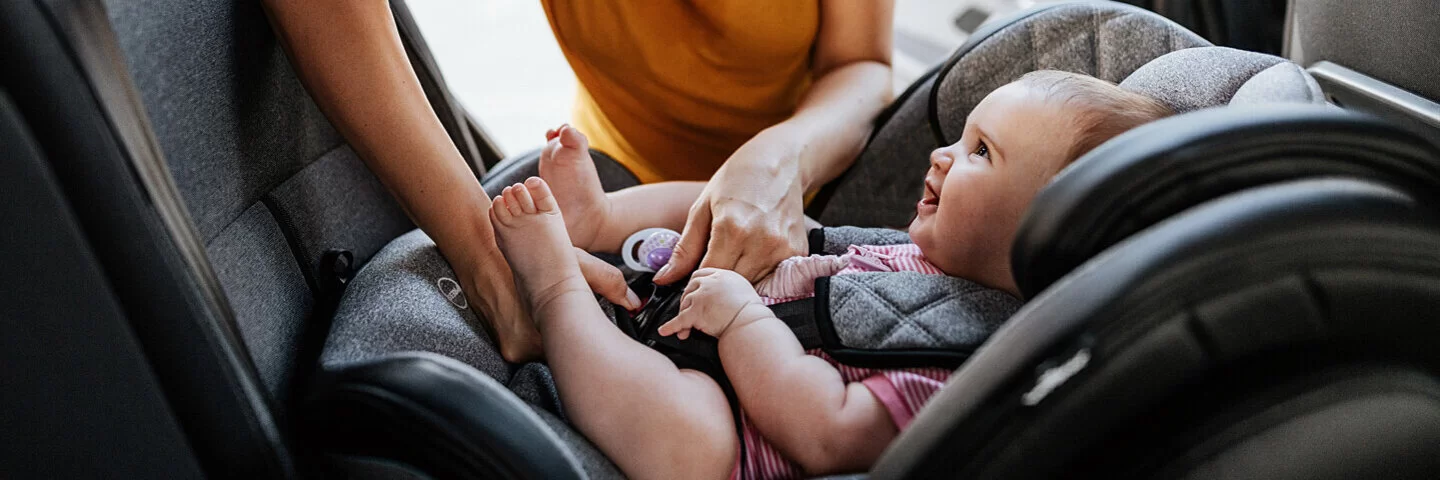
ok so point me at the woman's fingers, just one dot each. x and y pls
(606, 280)
(691, 246)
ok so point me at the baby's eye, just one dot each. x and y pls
(982, 151)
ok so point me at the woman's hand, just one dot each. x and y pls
(750, 215)
(715, 301)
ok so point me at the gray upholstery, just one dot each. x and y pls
(267, 181)
(1396, 41)
(838, 239)
(1104, 39)
(873, 191)
(894, 310)
(262, 281)
(396, 304)
(1282, 83)
(335, 202)
(1172, 79)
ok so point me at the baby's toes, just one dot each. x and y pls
(572, 138)
(541, 194)
(522, 199)
(512, 200)
(499, 211)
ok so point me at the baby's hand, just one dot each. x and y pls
(715, 301)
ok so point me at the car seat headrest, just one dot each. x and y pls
(1308, 269)
(1160, 169)
(1107, 40)
(1197, 78)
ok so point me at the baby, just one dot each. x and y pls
(801, 412)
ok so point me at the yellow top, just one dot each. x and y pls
(671, 88)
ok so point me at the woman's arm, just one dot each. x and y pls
(751, 214)
(349, 56)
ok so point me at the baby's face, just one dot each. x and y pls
(977, 189)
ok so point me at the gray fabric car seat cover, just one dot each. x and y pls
(1104, 39)
(406, 299)
(834, 240)
(1227, 73)
(268, 182)
(910, 310)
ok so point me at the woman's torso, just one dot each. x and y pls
(672, 88)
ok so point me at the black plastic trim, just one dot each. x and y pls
(438, 415)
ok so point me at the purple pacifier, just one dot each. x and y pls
(649, 249)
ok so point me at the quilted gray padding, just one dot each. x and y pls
(1107, 40)
(889, 310)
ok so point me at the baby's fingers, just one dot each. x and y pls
(675, 325)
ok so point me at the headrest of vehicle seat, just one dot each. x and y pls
(1107, 40)
(1301, 272)
(1196, 78)
(1157, 170)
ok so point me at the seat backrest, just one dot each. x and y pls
(268, 182)
(1395, 41)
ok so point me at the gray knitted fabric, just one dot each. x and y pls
(1199, 77)
(890, 310)
(1107, 40)
(336, 203)
(399, 303)
(838, 239)
(881, 188)
(267, 292)
(1284, 82)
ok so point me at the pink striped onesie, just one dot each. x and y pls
(901, 391)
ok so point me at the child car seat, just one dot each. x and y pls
(232, 215)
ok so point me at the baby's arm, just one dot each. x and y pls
(633, 209)
(797, 401)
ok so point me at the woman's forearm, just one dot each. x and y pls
(350, 58)
(835, 118)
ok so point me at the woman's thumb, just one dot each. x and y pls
(688, 250)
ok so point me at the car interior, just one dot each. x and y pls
(200, 277)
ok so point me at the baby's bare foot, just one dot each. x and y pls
(531, 233)
(566, 165)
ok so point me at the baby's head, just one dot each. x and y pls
(1014, 142)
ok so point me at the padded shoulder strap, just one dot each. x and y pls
(897, 319)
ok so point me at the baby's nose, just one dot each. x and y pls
(940, 159)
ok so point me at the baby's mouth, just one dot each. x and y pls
(932, 195)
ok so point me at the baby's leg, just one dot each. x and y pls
(599, 222)
(652, 419)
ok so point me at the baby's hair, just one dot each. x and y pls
(1105, 110)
